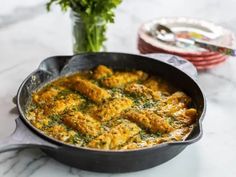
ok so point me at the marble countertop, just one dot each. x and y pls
(28, 34)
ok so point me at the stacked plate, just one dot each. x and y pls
(189, 29)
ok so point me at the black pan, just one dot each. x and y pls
(27, 136)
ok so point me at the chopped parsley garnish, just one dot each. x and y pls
(148, 104)
(158, 134)
(144, 135)
(55, 117)
(63, 94)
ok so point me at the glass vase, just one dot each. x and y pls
(88, 36)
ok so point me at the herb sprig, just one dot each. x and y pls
(92, 12)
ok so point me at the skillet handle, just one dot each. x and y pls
(179, 62)
(23, 138)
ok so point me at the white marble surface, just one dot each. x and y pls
(28, 34)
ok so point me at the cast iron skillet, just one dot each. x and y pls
(27, 136)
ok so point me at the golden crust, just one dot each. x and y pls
(158, 84)
(112, 108)
(152, 84)
(46, 94)
(119, 79)
(149, 120)
(176, 135)
(173, 104)
(101, 72)
(60, 105)
(91, 90)
(116, 137)
(186, 116)
(60, 132)
(141, 90)
(83, 123)
(178, 97)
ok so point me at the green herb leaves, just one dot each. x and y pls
(95, 15)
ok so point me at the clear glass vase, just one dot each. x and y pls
(87, 37)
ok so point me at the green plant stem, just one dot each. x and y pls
(95, 15)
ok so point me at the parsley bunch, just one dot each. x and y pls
(92, 13)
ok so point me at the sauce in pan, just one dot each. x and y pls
(112, 110)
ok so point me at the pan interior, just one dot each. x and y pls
(55, 67)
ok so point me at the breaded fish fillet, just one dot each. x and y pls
(149, 120)
(91, 90)
(119, 79)
(83, 123)
(116, 137)
(112, 108)
(141, 90)
(101, 72)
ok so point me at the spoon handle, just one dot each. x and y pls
(216, 48)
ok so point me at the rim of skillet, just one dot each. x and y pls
(54, 141)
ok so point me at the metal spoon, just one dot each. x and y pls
(165, 34)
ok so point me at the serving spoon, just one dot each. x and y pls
(165, 34)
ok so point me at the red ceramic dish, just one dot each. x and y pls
(211, 31)
(208, 66)
(206, 63)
